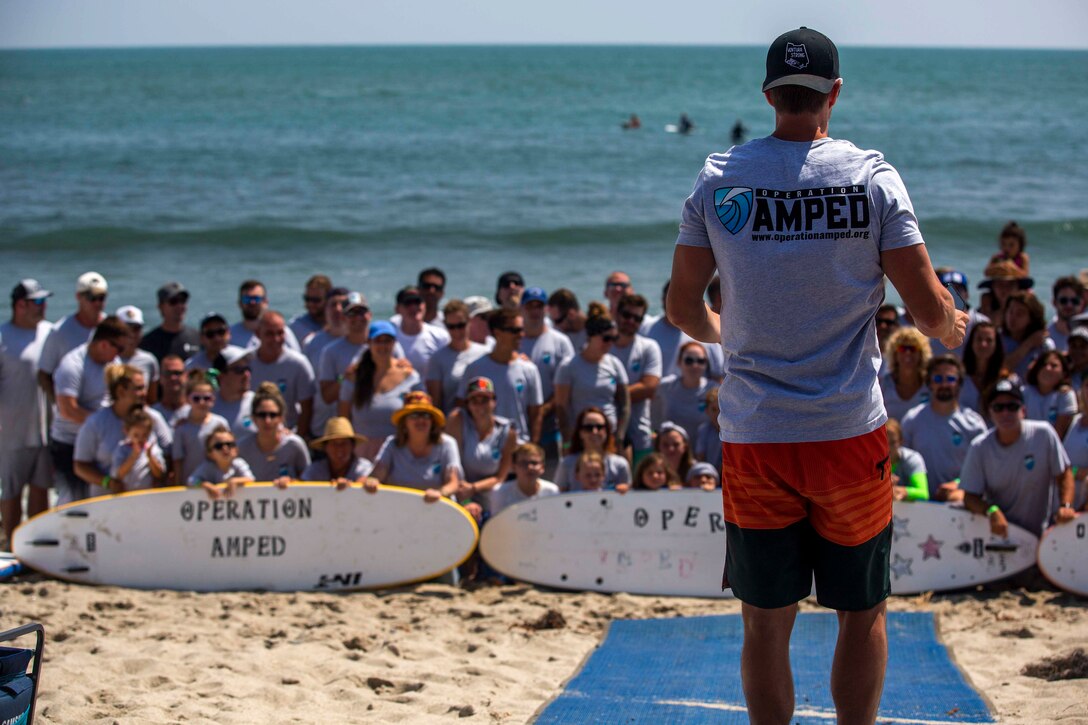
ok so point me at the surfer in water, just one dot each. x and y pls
(684, 125)
(738, 132)
(805, 470)
(632, 124)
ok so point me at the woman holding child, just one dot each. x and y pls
(593, 433)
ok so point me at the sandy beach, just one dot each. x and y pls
(434, 653)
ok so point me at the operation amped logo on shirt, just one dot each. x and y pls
(833, 212)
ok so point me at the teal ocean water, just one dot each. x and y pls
(213, 165)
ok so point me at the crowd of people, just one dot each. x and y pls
(494, 400)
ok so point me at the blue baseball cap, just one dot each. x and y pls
(954, 277)
(382, 327)
(534, 294)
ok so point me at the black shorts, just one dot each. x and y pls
(772, 568)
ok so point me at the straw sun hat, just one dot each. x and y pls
(337, 429)
(419, 402)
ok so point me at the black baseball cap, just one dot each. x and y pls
(172, 290)
(507, 277)
(1004, 386)
(29, 289)
(802, 57)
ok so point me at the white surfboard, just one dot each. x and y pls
(937, 547)
(664, 543)
(673, 543)
(305, 537)
(1063, 555)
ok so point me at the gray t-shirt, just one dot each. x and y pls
(146, 363)
(682, 405)
(429, 471)
(517, 386)
(418, 348)
(1076, 447)
(302, 326)
(289, 458)
(616, 471)
(592, 384)
(896, 406)
(1048, 407)
(67, 335)
(208, 471)
(910, 463)
(1019, 478)
(188, 450)
(1010, 345)
(319, 470)
(797, 230)
(24, 413)
(292, 374)
(375, 419)
(337, 357)
(80, 377)
(172, 416)
(942, 440)
(447, 366)
(237, 413)
(507, 493)
(547, 351)
(313, 349)
(708, 445)
(102, 431)
(139, 476)
(641, 358)
(481, 458)
(970, 396)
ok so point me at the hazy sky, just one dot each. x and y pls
(968, 23)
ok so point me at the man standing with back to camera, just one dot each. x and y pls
(802, 228)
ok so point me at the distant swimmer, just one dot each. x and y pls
(632, 123)
(684, 125)
(738, 132)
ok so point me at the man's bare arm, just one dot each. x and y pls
(929, 303)
(692, 269)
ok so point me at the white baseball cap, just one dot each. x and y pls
(131, 315)
(91, 282)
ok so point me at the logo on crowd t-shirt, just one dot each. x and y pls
(1029, 461)
(796, 55)
(733, 205)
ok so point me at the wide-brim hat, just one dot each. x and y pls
(336, 428)
(419, 402)
(1004, 269)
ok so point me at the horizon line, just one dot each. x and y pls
(510, 44)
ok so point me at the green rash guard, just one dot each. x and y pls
(911, 469)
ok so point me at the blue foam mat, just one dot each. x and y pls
(687, 670)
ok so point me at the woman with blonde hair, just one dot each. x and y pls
(105, 428)
(904, 385)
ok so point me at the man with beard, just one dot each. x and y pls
(941, 430)
(173, 336)
(1068, 302)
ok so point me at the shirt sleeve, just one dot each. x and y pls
(693, 231)
(50, 358)
(651, 359)
(1067, 403)
(347, 390)
(241, 468)
(972, 476)
(451, 458)
(1059, 459)
(86, 441)
(894, 211)
(68, 377)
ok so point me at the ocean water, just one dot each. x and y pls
(213, 165)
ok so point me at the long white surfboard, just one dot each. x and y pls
(936, 547)
(1063, 555)
(305, 537)
(673, 543)
(665, 543)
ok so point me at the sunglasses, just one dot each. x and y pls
(173, 373)
(216, 332)
(513, 330)
(610, 338)
(618, 285)
(357, 311)
(224, 446)
(252, 299)
(1005, 407)
(312, 300)
(530, 462)
(174, 301)
(513, 283)
(951, 379)
(418, 416)
(39, 303)
(887, 321)
(594, 427)
(1069, 301)
(694, 360)
(432, 286)
(266, 415)
(456, 325)
(117, 347)
(411, 301)
(202, 398)
(95, 298)
(907, 348)
(632, 316)
(239, 370)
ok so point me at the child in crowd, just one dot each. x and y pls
(1012, 241)
(702, 475)
(191, 431)
(528, 484)
(589, 472)
(672, 442)
(222, 465)
(138, 462)
(653, 474)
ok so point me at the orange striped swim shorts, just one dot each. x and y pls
(842, 487)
